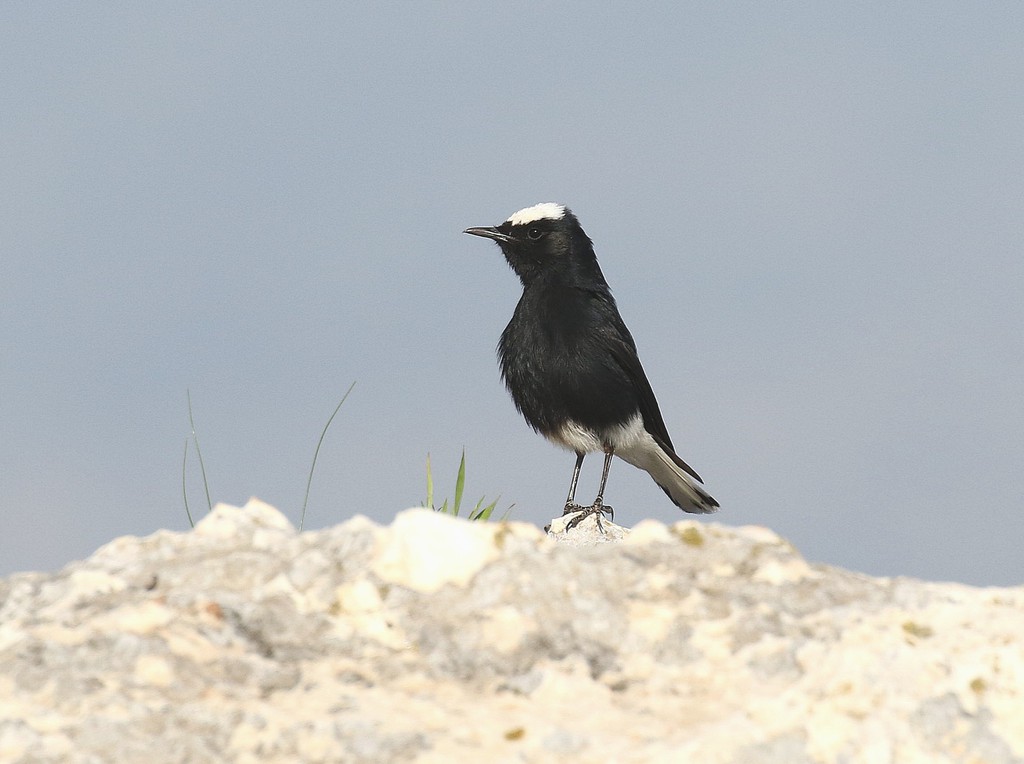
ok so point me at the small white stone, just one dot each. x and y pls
(760, 534)
(89, 583)
(358, 597)
(587, 533)
(153, 670)
(143, 618)
(227, 521)
(504, 627)
(648, 532)
(358, 523)
(424, 550)
(651, 620)
(786, 571)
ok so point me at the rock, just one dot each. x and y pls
(426, 550)
(588, 532)
(440, 640)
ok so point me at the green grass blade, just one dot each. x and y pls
(454, 508)
(430, 486)
(485, 513)
(309, 480)
(184, 493)
(460, 484)
(195, 439)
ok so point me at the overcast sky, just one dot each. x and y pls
(810, 214)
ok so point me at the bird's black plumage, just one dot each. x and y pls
(571, 365)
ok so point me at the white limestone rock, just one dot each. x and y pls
(439, 640)
(589, 531)
(425, 550)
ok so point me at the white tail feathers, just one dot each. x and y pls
(685, 491)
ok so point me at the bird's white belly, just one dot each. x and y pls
(586, 440)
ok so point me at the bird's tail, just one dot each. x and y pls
(672, 475)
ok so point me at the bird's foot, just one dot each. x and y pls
(597, 508)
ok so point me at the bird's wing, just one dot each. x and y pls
(622, 348)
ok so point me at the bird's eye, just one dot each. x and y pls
(534, 234)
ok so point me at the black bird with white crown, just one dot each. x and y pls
(570, 363)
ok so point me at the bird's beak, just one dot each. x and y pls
(489, 232)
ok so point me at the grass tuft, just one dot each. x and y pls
(184, 492)
(202, 466)
(479, 512)
(199, 453)
(309, 480)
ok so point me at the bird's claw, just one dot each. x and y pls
(597, 508)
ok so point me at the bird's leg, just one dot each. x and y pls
(599, 501)
(598, 507)
(570, 503)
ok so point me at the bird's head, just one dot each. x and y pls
(543, 239)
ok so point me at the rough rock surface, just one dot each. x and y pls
(438, 640)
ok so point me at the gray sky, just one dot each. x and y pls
(811, 217)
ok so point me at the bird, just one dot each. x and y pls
(571, 365)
